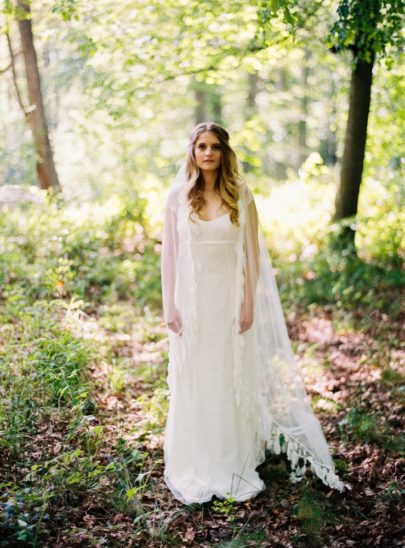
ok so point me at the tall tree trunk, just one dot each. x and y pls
(355, 142)
(302, 124)
(215, 105)
(328, 141)
(282, 77)
(201, 106)
(208, 102)
(253, 89)
(200, 97)
(46, 171)
(251, 106)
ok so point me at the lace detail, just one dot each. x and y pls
(295, 451)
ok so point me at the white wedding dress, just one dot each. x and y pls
(232, 395)
(210, 446)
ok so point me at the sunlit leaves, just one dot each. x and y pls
(369, 27)
(66, 8)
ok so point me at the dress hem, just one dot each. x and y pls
(211, 493)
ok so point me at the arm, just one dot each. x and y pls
(251, 268)
(169, 257)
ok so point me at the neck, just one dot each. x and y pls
(209, 179)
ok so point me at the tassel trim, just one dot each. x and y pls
(295, 451)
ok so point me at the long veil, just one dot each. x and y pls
(279, 406)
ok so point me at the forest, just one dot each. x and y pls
(97, 102)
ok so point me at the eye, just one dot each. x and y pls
(216, 147)
(201, 146)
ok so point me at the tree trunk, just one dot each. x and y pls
(355, 142)
(215, 105)
(302, 124)
(46, 171)
(201, 103)
(253, 89)
(208, 102)
(328, 141)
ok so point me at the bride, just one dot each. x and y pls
(235, 389)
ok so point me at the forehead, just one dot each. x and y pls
(208, 137)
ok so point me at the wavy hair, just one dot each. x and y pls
(228, 179)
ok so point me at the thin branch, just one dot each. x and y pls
(13, 69)
(2, 71)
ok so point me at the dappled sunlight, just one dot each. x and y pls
(334, 362)
(296, 214)
(82, 324)
(84, 350)
(78, 214)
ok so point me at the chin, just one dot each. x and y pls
(209, 167)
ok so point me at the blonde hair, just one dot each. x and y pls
(228, 180)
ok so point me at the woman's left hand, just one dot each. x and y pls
(246, 317)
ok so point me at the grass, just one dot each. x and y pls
(313, 512)
(101, 266)
(367, 426)
(331, 279)
(243, 540)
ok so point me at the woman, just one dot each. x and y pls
(235, 389)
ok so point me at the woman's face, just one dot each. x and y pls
(207, 151)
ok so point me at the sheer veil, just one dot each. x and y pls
(276, 402)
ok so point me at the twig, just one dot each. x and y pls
(12, 64)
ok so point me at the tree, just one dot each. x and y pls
(371, 30)
(366, 28)
(35, 113)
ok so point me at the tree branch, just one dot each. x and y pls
(5, 69)
(13, 69)
(2, 71)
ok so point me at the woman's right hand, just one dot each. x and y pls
(246, 316)
(174, 323)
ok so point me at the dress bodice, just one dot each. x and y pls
(218, 230)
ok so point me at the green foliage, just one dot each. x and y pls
(370, 27)
(361, 423)
(154, 408)
(65, 480)
(225, 507)
(59, 363)
(98, 253)
(67, 9)
(313, 267)
(312, 511)
(293, 15)
(394, 492)
(51, 256)
(348, 282)
(131, 480)
(47, 396)
(366, 426)
(391, 376)
(43, 375)
(41, 369)
(243, 539)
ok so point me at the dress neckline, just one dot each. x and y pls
(215, 218)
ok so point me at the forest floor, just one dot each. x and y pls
(351, 368)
